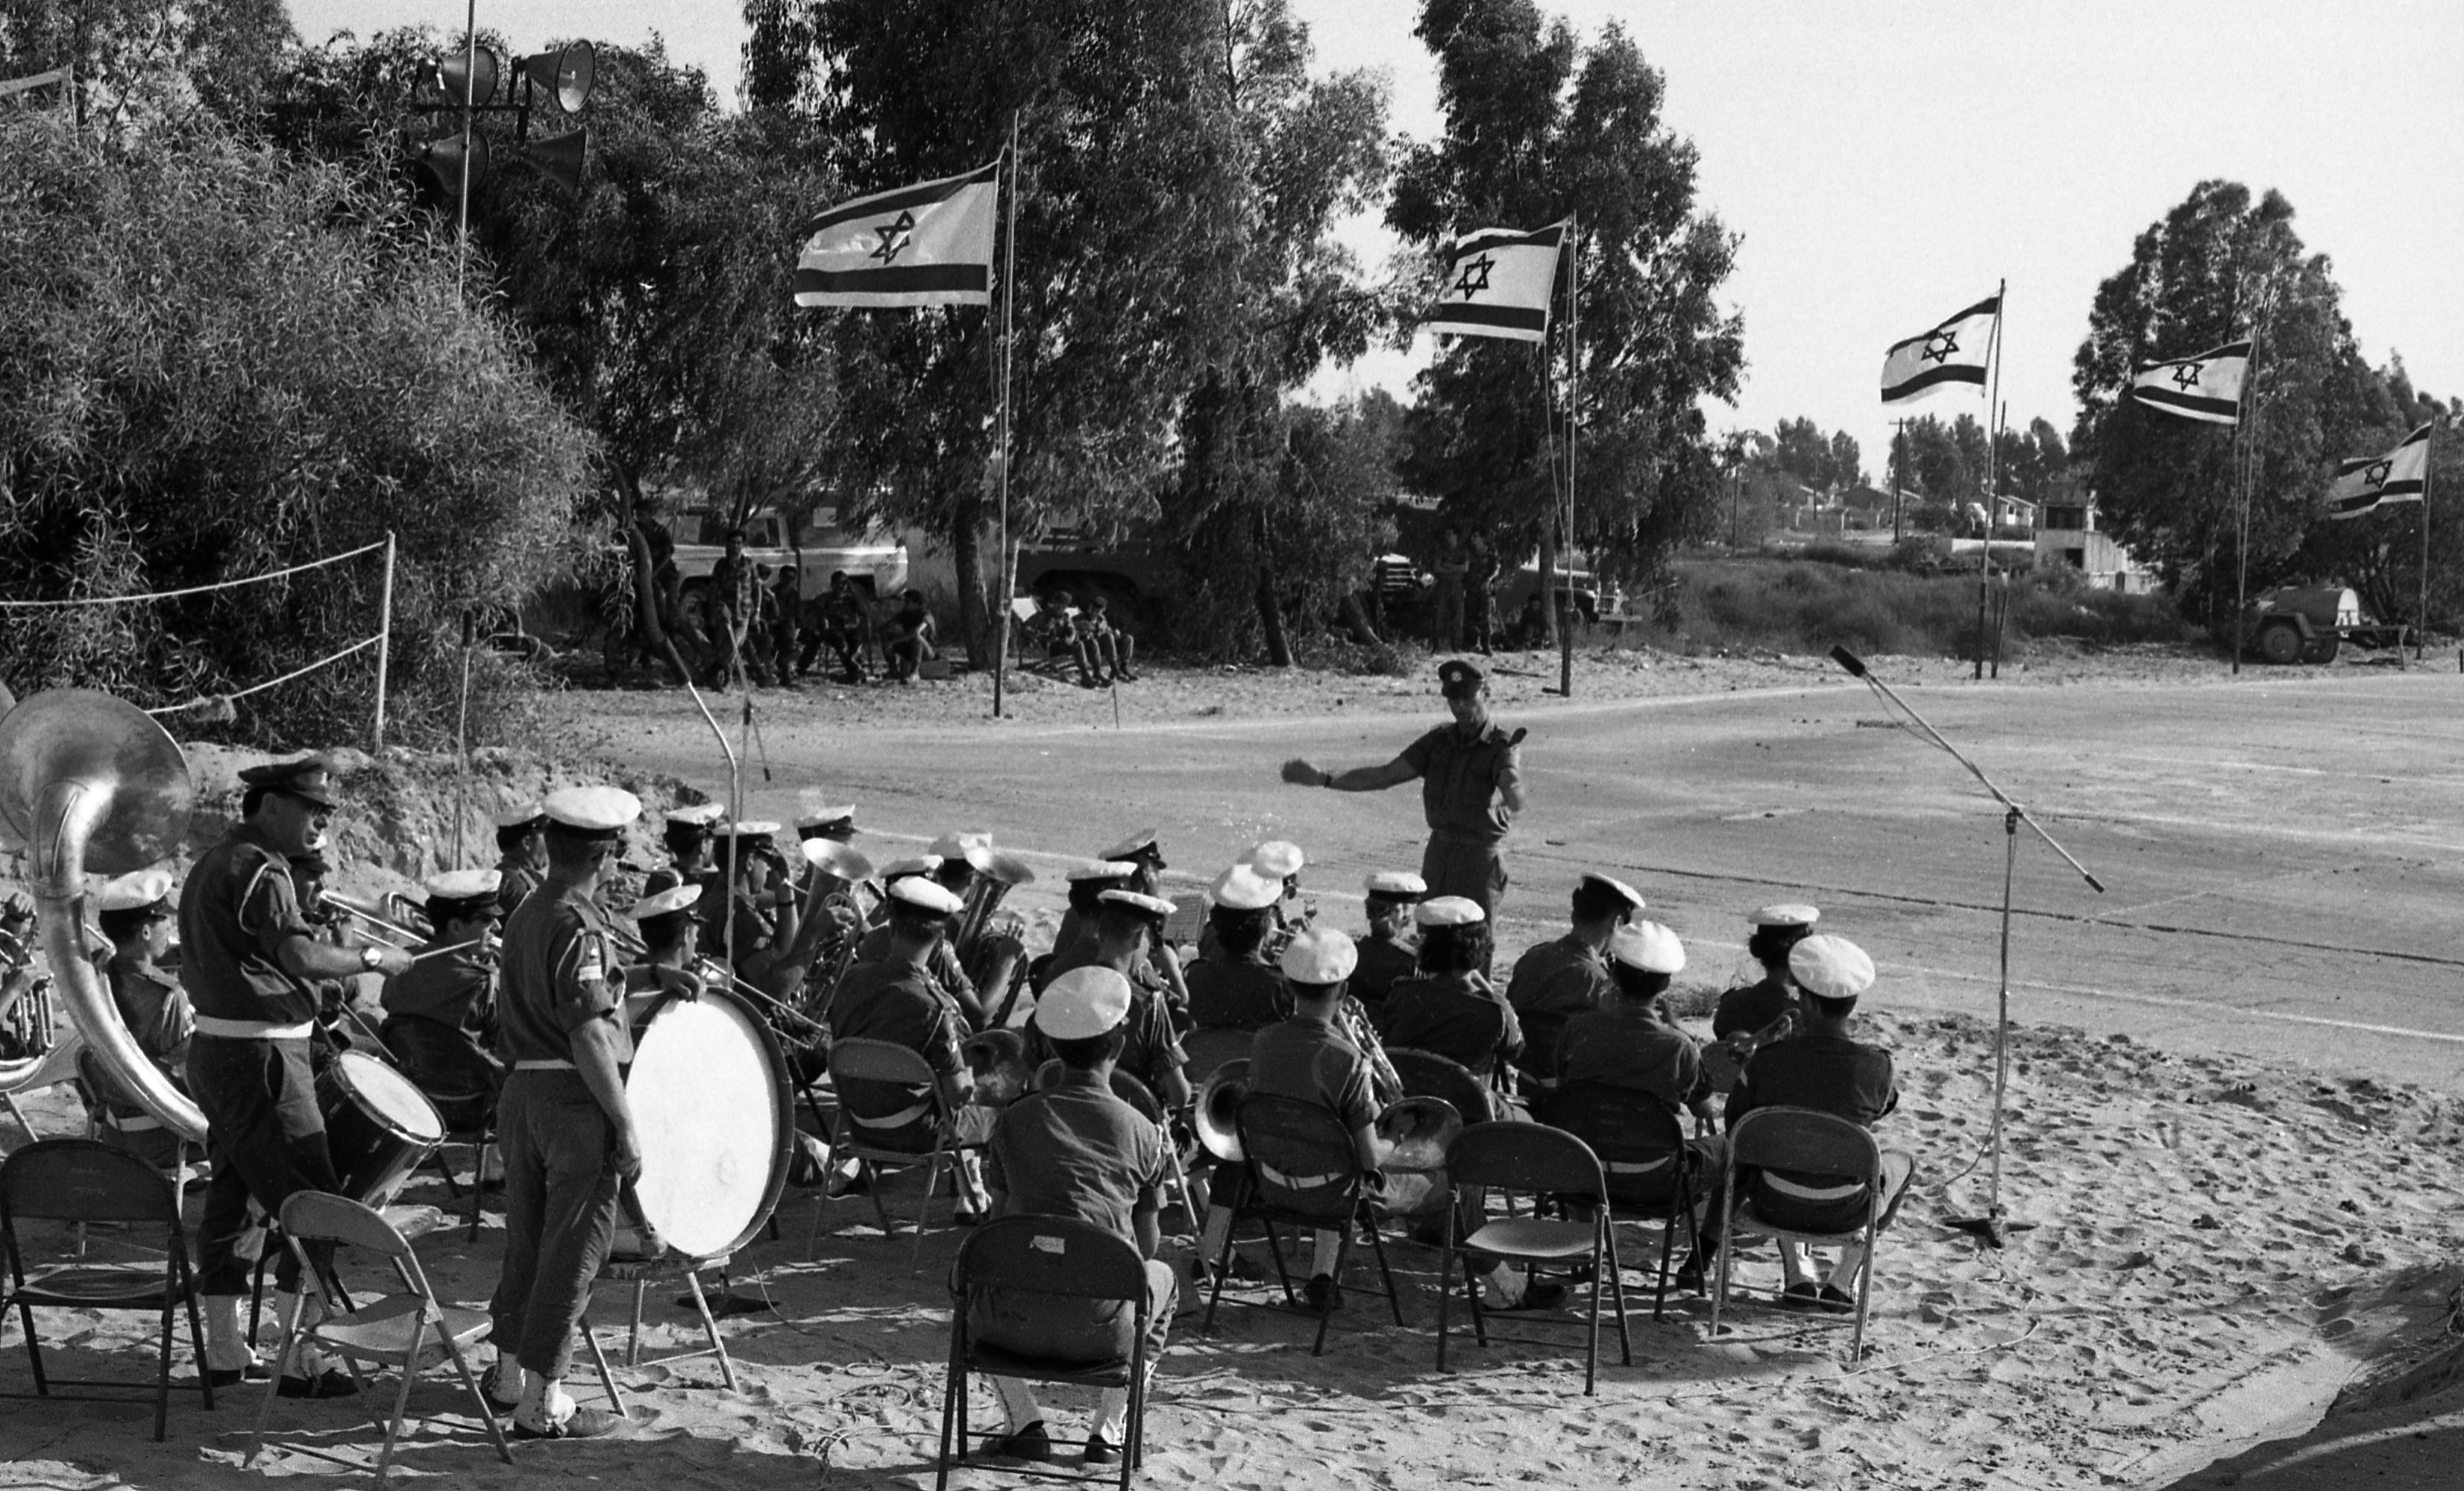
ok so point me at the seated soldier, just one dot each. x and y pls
(1449, 1008)
(1279, 860)
(1129, 931)
(1630, 1043)
(893, 999)
(1109, 648)
(948, 974)
(1308, 1058)
(136, 913)
(839, 619)
(454, 981)
(908, 637)
(1390, 952)
(1829, 1071)
(1077, 1150)
(1559, 980)
(1765, 1010)
(1053, 632)
(1232, 986)
(671, 949)
(522, 853)
(1076, 936)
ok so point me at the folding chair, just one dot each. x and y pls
(1643, 1158)
(86, 1180)
(1426, 1074)
(883, 1061)
(1067, 1260)
(459, 1079)
(1542, 1162)
(1137, 1095)
(1803, 1142)
(1299, 1168)
(409, 1329)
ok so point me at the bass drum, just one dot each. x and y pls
(379, 1126)
(716, 1120)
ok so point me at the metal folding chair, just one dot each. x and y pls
(1299, 1169)
(1802, 1142)
(408, 1328)
(459, 1079)
(1544, 1163)
(1065, 1259)
(884, 1062)
(1643, 1158)
(86, 1180)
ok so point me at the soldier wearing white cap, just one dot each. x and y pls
(453, 983)
(1145, 850)
(1471, 787)
(521, 852)
(766, 909)
(894, 996)
(1766, 1009)
(1279, 860)
(947, 973)
(1556, 980)
(1077, 1150)
(135, 912)
(1449, 1007)
(1088, 883)
(1232, 986)
(1127, 936)
(1390, 951)
(671, 942)
(1828, 1071)
(828, 823)
(564, 1121)
(250, 957)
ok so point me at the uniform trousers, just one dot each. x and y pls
(267, 1139)
(1466, 868)
(561, 1199)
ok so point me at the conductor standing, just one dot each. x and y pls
(1471, 786)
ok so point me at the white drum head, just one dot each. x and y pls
(389, 1097)
(708, 1100)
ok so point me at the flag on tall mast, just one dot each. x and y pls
(2207, 386)
(1498, 282)
(1953, 351)
(2368, 481)
(928, 244)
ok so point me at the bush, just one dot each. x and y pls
(1811, 606)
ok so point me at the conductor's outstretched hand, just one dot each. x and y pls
(1301, 773)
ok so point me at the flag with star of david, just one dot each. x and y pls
(2207, 386)
(1953, 351)
(928, 244)
(2366, 481)
(1498, 282)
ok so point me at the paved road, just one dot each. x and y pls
(2281, 854)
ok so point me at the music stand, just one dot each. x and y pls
(1991, 1227)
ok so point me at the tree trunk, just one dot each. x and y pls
(646, 597)
(1547, 581)
(1355, 616)
(1270, 614)
(966, 553)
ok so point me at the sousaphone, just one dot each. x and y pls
(93, 785)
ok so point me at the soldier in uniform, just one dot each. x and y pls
(1075, 937)
(1233, 987)
(453, 984)
(563, 1119)
(1766, 1009)
(1129, 931)
(1556, 980)
(687, 836)
(1449, 1007)
(1281, 861)
(1471, 786)
(1390, 952)
(1075, 1150)
(1143, 850)
(248, 956)
(135, 911)
(522, 853)
(728, 609)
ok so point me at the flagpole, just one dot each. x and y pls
(2421, 625)
(1573, 422)
(1993, 439)
(2245, 431)
(1005, 561)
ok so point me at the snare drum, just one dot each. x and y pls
(379, 1126)
(716, 1120)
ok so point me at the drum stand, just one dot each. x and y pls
(640, 1274)
(1995, 1224)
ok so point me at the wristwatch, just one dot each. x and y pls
(371, 958)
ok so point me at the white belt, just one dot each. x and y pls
(1642, 1168)
(134, 1123)
(904, 1116)
(545, 1066)
(1790, 1188)
(1298, 1182)
(252, 1029)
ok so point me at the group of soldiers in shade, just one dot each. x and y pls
(551, 1007)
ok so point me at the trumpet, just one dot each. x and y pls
(1385, 1083)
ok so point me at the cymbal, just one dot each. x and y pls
(837, 859)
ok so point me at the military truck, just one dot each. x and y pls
(2310, 624)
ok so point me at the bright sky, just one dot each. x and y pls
(1888, 161)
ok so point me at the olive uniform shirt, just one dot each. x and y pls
(1460, 1017)
(1619, 1048)
(1236, 993)
(896, 1003)
(1461, 782)
(560, 976)
(516, 881)
(1382, 961)
(237, 909)
(449, 988)
(156, 1011)
(1307, 1058)
(1077, 1150)
(1551, 984)
(1751, 1009)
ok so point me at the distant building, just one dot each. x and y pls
(2068, 534)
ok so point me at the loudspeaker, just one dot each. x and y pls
(481, 68)
(566, 74)
(440, 163)
(559, 158)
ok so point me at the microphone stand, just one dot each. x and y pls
(1992, 1227)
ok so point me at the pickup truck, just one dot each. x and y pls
(2309, 623)
(1130, 574)
(876, 560)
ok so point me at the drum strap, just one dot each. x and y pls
(252, 1029)
(1786, 1186)
(545, 1066)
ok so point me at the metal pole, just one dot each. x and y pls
(1573, 422)
(1993, 455)
(1006, 559)
(2002, 1018)
(462, 745)
(384, 642)
(470, 97)
(2245, 433)
(2421, 626)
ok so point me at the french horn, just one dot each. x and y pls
(91, 784)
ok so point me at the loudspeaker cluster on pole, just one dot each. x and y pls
(451, 89)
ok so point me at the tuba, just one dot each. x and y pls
(997, 873)
(92, 785)
(832, 960)
(1217, 1104)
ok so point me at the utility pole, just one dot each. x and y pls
(1898, 476)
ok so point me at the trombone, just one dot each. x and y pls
(375, 924)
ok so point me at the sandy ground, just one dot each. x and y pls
(2228, 1241)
